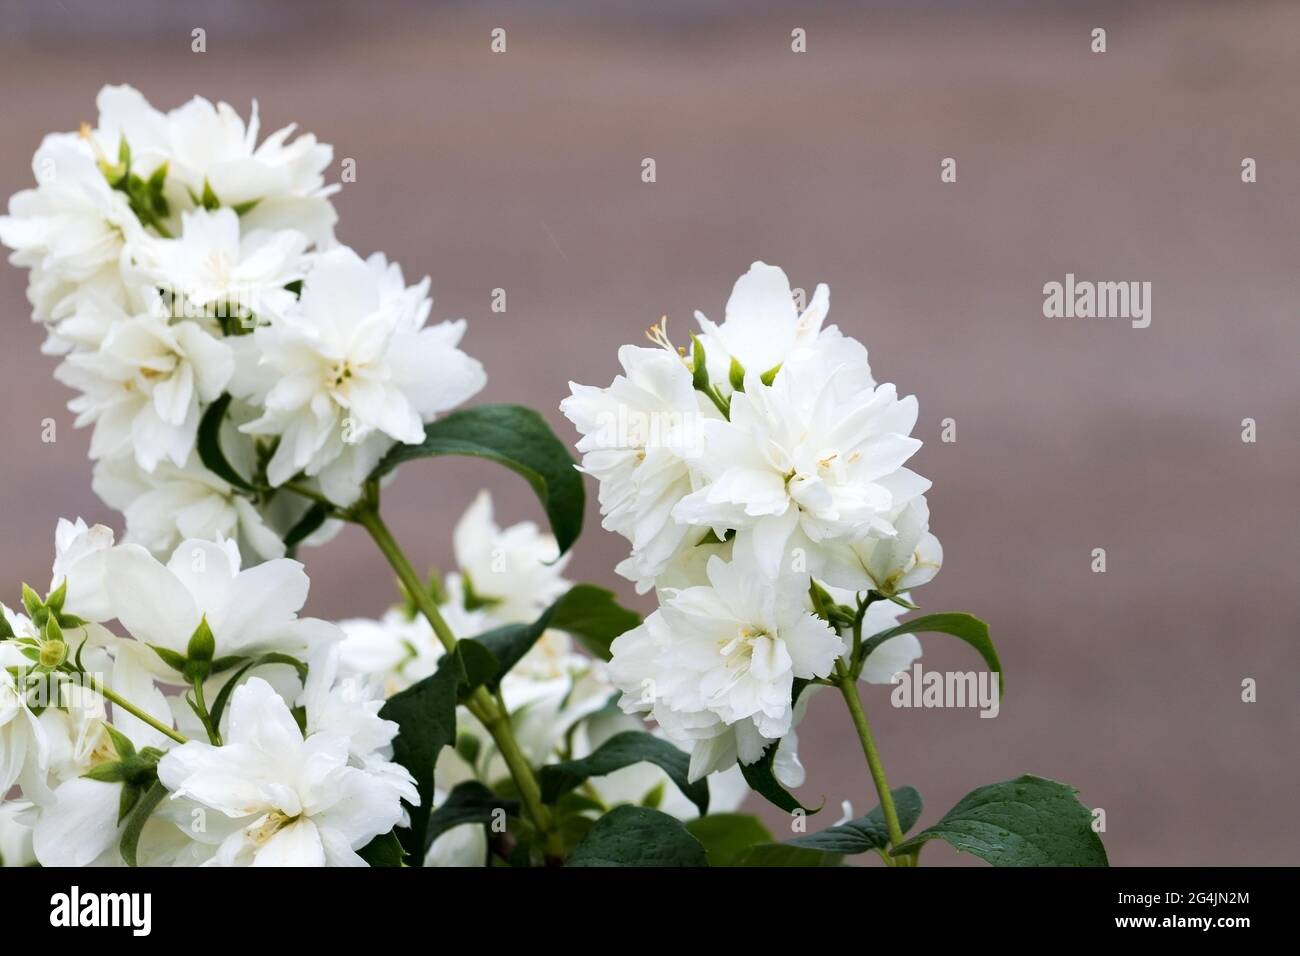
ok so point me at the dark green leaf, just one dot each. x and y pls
(138, 817)
(585, 611)
(725, 835)
(784, 854)
(594, 616)
(312, 519)
(965, 627)
(637, 836)
(209, 445)
(6, 631)
(468, 802)
(384, 851)
(761, 776)
(425, 714)
(1028, 821)
(518, 438)
(623, 750)
(865, 833)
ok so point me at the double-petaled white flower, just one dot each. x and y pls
(514, 572)
(356, 370)
(70, 230)
(639, 438)
(143, 388)
(250, 611)
(164, 507)
(215, 267)
(286, 799)
(813, 452)
(716, 663)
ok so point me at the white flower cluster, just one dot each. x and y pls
(558, 698)
(174, 259)
(296, 771)
(764, 457)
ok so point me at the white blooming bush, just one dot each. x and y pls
(252, 384)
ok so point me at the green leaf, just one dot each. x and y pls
(172, 659)
(785, 855)
(1028, 821)
(964, 627)
(113, 771)
(312, 519)
(425, 714)
(209, 199)
(209, 445)
(383, 851)
(138, 817)
(736, 375)
(725, 835)
(594, 616)
(468, 802)
(121, 742)
(700, 366)
(586, 611)
(6, 631)
(518, 438)
(761, 776)
(865, 833)
(623, 750)
(637, 836)
(55, 599)
(223, 696)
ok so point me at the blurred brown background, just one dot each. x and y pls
(522, 171)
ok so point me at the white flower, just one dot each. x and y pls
(215, 268)
(168, 505)
(24, 745)
(514, 571)
(354, 364)
(16, 834)
(249, 612)
(345, 706)
(142, 389)
(716, 664)
(805, 453)
(71, 229)
(280, 183)
(290, 801)
(79, 559)
(82, 824)
(762, 329)
(639, 436)
(906, 561)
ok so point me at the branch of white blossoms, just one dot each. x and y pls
(251, 385)
(759, 476)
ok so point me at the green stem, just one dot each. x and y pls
(480, 704)
(118, 701)
(214, 737)
(849, 688)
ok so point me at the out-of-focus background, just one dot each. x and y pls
(522, 171)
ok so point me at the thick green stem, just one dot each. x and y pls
(480, 704)
(118, 701)
(849, 688)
